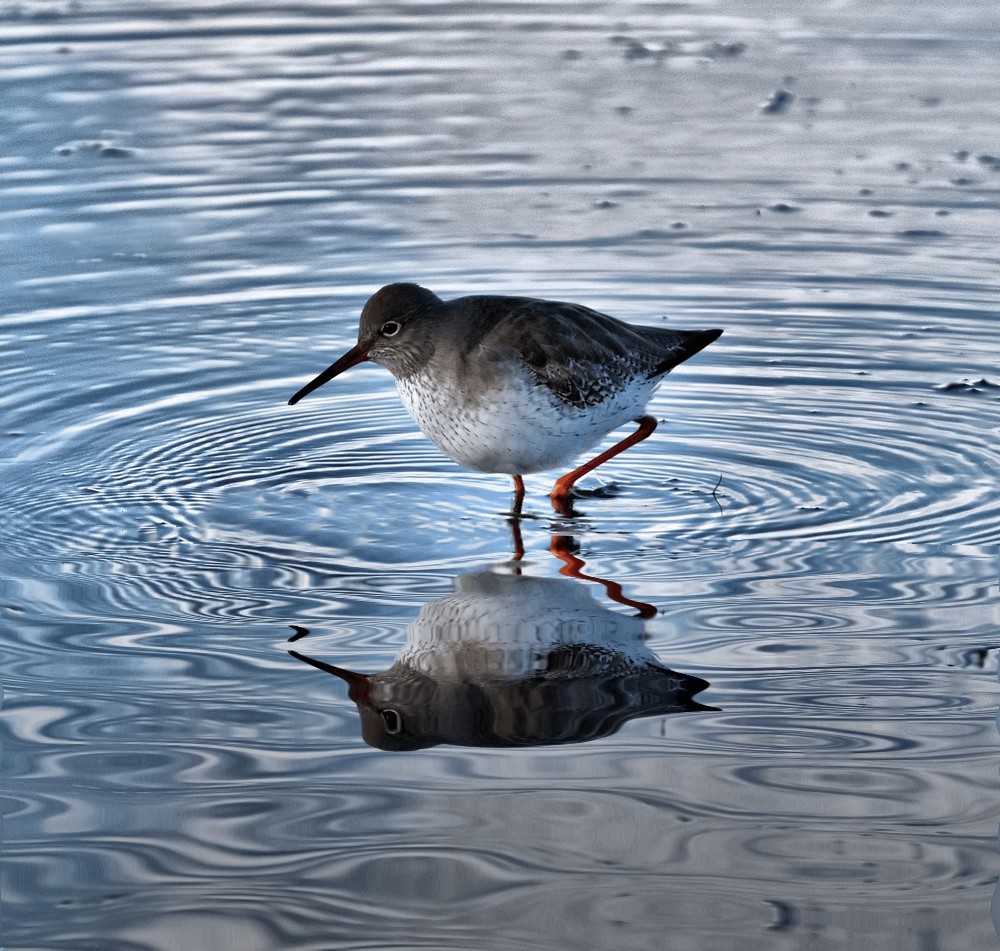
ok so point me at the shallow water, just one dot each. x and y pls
(778, 733)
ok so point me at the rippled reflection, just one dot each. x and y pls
(197, 199)
(515, 660)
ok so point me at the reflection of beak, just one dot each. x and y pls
(355, 355)
(358, 683)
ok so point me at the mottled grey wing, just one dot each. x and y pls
(585, 356)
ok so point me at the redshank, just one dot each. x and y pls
(515, 384)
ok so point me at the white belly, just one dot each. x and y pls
(518, 429)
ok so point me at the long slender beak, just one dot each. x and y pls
(353, 356)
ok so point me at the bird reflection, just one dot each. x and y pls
(513, 660)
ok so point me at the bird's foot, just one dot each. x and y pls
(562, 499)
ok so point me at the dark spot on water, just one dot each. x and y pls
(95, 147)
(64, 50)
(14, 433)
(918, 234)
(300, 632)
(942, 212)
(715, 50)
(777, 102)
(902, 166)
(930, 101)
(633, 49)
(572, 55)
(880, 213)
(605, 204)
(962, 181)
(783, 208)
(974, 657)
(992, 162)
(623, 110)
(678, 225)
(967, 386)
(961, 155)
(14, 608)
(787, 917)
(651, 234)
(865, 192)
(919, 404)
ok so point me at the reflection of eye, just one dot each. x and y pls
(390, 328)
(392, 720)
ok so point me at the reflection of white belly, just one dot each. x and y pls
(516, 429)
(504, 628)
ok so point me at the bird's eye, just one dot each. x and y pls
(393, 722)
(390, 328)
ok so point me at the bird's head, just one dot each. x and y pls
(389, 333)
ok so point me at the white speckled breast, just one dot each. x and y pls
(514, 426)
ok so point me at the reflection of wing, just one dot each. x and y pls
(581, 694)
(582, 355)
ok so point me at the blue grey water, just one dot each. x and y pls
(797, 751)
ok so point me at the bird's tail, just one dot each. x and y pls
(682, 345)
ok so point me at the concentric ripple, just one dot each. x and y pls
(199, 197)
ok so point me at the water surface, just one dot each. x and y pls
(759, 718)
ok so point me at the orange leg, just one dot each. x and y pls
(515, 519)
(562, 494)
(518, 493)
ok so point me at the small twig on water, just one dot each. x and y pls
(715, 491)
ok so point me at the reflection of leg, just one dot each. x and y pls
(564, 548)
(563, 490)
(518, 542)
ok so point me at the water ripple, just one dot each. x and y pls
(198, 200)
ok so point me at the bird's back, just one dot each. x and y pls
(582, 355)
